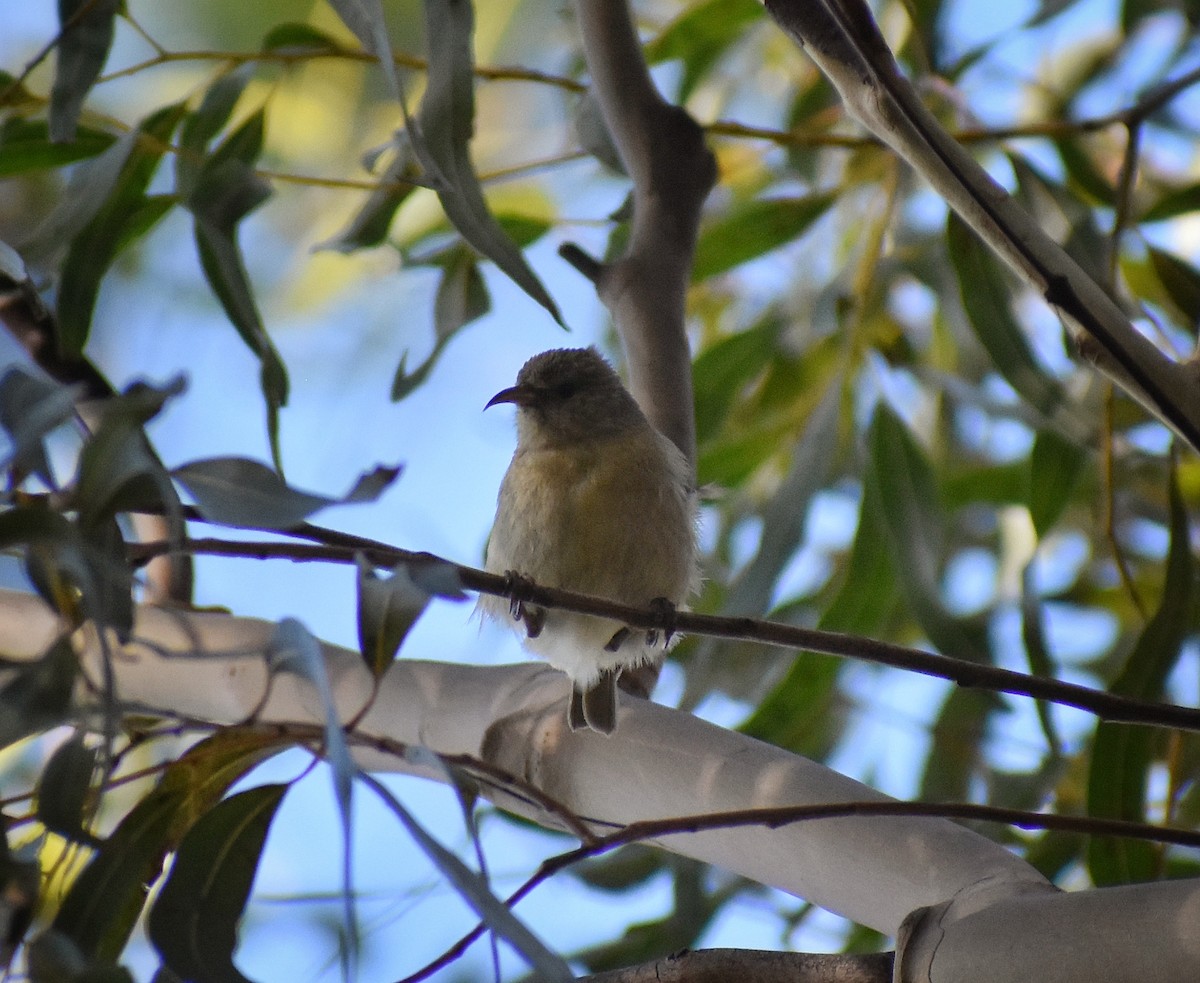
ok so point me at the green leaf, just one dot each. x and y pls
(226, 189)
(724, 369)
(118, 469)
(193, 923)
(799, 714)
(298, 39)
(1055, 467)
(753, 228)
(446, 120)
(462, 296)
(293, 649)
(237, 491)
(1175, 202)
(547, 966)
(38, 696)
(1123, 755)
(83, 44)
(202, 125)
(103, 903)
(111, 223)
(988, 303)
(79, 569)
(25, 146)
(387, 610)
(64, 788)
(700, 35)
(370, 224)
(1181, 281)
(912, 513)
(365, 20)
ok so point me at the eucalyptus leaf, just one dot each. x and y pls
(293, 649)
(237, 491)
(753, 228)
(193, 922)
(548, 966)
(387, 610)
(370, 224)
(446, 120)
(83, 45)
(110, 223)
(1123, 755)
(25, 146)
(366, 21)
(38, 696)
(31, 406)
(64, 789)
(103, 903)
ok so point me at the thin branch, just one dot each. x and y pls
(343, 547)
(774, 818)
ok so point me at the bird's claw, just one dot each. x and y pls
(664, 612)
(517, 587)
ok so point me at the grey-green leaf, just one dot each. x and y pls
(31, 406)
(83, 45)
(547, 965)
(237, 491)
(387, 610)
(446, 120)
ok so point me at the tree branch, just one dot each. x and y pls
(843, 39)
(663, 151)
(344, 547)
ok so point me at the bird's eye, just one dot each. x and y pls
(564, 390)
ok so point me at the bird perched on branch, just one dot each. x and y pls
(597, 501)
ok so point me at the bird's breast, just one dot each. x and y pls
(609, 517)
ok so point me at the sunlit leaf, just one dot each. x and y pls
(700, 35)
(87, 34)
(193, 922)
(103, 903)
(753, 228)
(446, 119)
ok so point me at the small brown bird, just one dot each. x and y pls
(598, 501)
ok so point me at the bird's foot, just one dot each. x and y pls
(517, 588)
(664, 612)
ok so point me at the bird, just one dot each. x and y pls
(595, 500)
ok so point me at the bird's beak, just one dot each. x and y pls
(520, 395)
